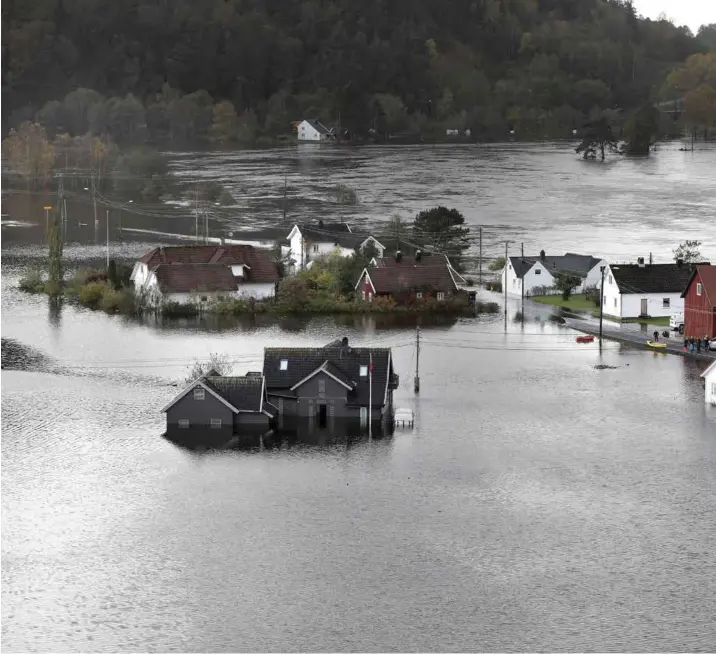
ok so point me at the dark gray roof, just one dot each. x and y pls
(336, 233)
(319, 126)
(653, 278)
(574, 264)
(302, 361)
(244, 393)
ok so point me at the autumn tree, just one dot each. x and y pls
(29, 153)
(219, 363)
(641, 130)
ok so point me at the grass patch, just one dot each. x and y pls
(659, 321)
(578, 302)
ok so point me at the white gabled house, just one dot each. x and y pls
(538, 274)
(314, 130)
(645, 290)
(310, 242)
(709, 377)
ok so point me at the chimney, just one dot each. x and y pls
(542, 255)
(640, 262)
(418, 255)
(344, 341)
(398, 256)
(679, 262)
(320, 224)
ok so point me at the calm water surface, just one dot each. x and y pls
(539, 503)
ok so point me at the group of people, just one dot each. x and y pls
(694, 344)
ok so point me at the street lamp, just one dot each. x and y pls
(601, 305)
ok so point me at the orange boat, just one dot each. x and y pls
(585, 339)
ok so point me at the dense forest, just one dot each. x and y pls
(151, 70)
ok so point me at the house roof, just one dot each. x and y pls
(244, 393)
(652, 278)
(336, 234)
(319, 126)
(189, 277)
(571, 263)
(426, 259)
(343, 361)
(707, 276)
(711, 369)
(261, 267)
(411, 277)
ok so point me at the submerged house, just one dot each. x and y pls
(408, 280)
(215, 408)
(325, 385)
(309, 242)
(539, 274)
(200, 273)
(312, 129)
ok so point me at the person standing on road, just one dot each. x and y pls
(698, 345)
(707, 343)
(656, 335)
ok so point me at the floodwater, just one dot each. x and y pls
(539, 195)
(538, 504)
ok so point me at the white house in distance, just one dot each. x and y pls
(313, 129)
(709, 377)
(642, 289)
(538, 274)
(200, 273)
(309, 242)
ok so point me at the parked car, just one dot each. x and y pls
(676, 322)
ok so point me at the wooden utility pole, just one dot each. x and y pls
(94, 204)
(107, 239)
(601, 307)
(480, 262)
(522, 283)
(504, 283)
(416, 385)
(196, 212)
(370, 396)
(285, 182)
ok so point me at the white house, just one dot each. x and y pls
(538, 274)
(709, 377)
(314, 130)
(641, 289)
(200, 273)
(308, 242)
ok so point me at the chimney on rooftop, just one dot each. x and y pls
(542, 255)
(640, 262)
(344, 341)
(679, 262)
(398, 256)
(320, 224)
(418, 255)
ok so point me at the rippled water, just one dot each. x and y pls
(539, 503)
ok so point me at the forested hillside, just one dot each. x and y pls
(540, 67)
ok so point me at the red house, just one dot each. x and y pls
(700, 303)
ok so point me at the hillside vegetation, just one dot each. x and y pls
(232, 70)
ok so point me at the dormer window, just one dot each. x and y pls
(698, 288)
(199, 393)
(284, 364)
(364, 371)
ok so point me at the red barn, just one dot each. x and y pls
(700, 303)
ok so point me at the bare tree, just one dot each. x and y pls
(221, 363)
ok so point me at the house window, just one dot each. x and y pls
(698, 288)
(184, 423)
(538, 271)
(713, 389)
(284, 364)
(364, 371)
(419, 296)
(198, 393)
(204, 298)
(315, 247)
(441, 296)
(610, 279)
(615, 303)
(216, 423)
(604, 301)
(666, 302)
(321, 387)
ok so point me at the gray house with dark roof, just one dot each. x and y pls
(333, 383)
(214, 408)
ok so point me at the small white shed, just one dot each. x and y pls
(709, 377)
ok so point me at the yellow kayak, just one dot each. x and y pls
(656, 345)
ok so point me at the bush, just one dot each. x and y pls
(32, 282)
(117, 300)
(494, 286)
(487, 307)
(178, 310)
(90, 295)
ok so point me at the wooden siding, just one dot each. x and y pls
(699, 313)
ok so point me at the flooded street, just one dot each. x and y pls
(539, 503)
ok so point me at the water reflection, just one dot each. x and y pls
(54, 313)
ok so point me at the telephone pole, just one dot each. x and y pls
(370, 397)
(196, 212)
(480, 262)
(107, 239)
(94, 205)
(504, 283)
(601, 306)
(522, 284)
(416, 386)
(285, 182)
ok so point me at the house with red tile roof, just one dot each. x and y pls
(409, 279)
(700, 303)
(201, 273)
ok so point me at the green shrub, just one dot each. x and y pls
(32, 282)
(90, 295)
(118, 300)
(178, 310)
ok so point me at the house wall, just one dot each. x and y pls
(710, 391)
(594, 276)
(259, 290)
(631, 304)
(307, 132)
(139, 275)
(612, 299)
(252, 419)
(534, 278)
(699, 314)
(199, 413)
